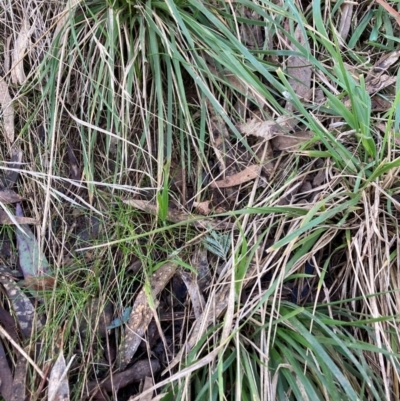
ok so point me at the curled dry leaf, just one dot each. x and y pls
(178, 217)
(286, 142)
(21, 44)
(142, 313)
(7, 111)
(248, 174)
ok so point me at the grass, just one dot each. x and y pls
(144, 100)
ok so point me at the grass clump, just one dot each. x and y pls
(133, 121)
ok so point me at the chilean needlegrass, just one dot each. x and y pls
(135, 91)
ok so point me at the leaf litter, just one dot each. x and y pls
(272, 138)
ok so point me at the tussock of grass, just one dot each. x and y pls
(146, 95)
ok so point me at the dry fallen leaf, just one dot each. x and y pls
(248, 174)
(21, 44)
(7, 112)
(286, 142)
(142, 313)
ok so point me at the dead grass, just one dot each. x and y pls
(229, 170)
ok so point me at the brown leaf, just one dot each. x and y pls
(21, 44)
(286, 142)
(58, 382)
(177, 217)
(142, 313)
(248, 174)
(7, 111)
(9, 219)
